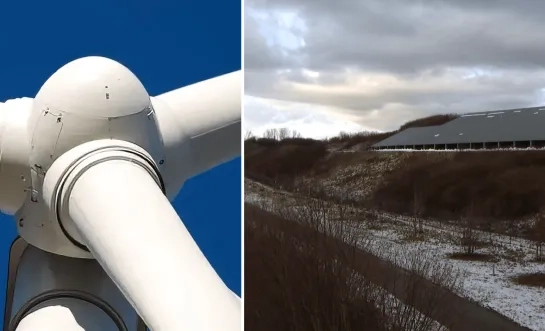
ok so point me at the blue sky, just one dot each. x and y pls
(167, 44)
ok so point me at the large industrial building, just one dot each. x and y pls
(512, 128)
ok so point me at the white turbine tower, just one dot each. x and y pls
(87, 168)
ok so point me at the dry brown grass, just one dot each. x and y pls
(533, 279)
(429, 121)
(472, 257)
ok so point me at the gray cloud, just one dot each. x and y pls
(384, 62)
(257, 54)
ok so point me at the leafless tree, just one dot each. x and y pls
(295, 134)
(248, 135)
(344, 135)
(271, 134)
(283, 133)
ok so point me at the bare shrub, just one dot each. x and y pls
(295, 282)
(372, 219)
(417, 213)
(538, 235)
(423, 303)
(470, 238)
(331, 277)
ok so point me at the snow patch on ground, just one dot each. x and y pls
(488, 283)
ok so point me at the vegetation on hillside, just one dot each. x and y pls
(496, 185)
(429, 121)
(503, 185)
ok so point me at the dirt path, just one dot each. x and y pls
(455, 312)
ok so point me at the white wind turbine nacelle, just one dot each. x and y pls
(88, 168)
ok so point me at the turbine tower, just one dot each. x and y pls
(88, 169)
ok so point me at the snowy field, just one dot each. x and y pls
(488, 283)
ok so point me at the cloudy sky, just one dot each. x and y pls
(324, 66)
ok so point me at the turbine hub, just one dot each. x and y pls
(93, 86)
(89, 100)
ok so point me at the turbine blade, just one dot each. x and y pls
(136, 235)
(209, 113)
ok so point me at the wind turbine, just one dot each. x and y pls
(87, 168)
